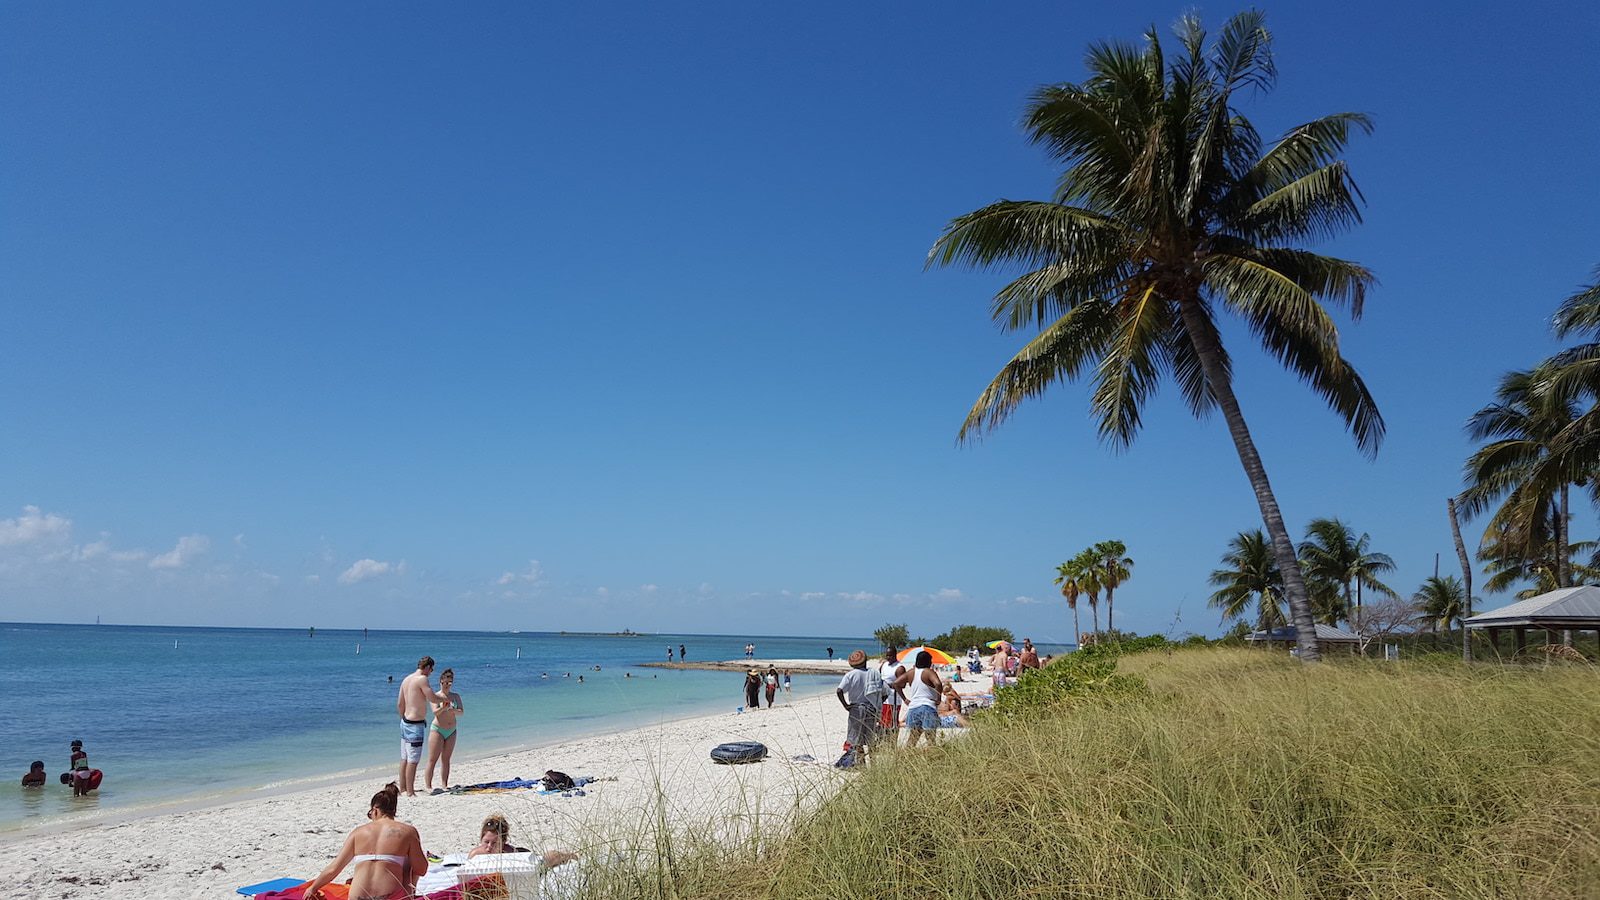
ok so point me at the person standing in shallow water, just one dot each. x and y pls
(683, 653)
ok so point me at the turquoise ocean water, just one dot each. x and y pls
(198, 714)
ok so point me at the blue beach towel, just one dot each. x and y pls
(276, 884)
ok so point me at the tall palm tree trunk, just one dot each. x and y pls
(1563, 541)
(1110, 626)
(1466, 579)
(1077, 636)
(1094, 607)
(1294, 584)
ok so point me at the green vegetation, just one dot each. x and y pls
(1231, 773)
(1249, 574)
(1337, 565)
(959, 638)
(892, 636)
(1104, 566)
(1168, 211)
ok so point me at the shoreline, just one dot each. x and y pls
(837, 666)
(214, 848)
(228, 796)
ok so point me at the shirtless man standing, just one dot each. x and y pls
(416, 698)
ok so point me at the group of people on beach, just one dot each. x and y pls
(1008, 662)
(79, 775)
(755, 681)
(388, 854)
(417, 699)
(880, 698)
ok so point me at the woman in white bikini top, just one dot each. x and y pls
(387, 855)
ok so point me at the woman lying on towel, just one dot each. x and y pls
(496, 838)
(388, 855)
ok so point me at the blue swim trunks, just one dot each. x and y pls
(923, 717)
(413, 735)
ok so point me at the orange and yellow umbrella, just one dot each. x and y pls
(940, 658)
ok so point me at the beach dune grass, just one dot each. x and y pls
(1237, 774)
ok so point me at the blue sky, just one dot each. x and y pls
(606, 316)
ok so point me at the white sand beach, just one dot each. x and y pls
(662, 772)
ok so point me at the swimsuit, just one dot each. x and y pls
(412, 735)
(443, 732)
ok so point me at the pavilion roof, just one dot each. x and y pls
(1565, 607)
(1325, 633)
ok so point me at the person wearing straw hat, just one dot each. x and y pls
(859, 692)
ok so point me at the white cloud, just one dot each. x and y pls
(313, 579)
(364, 569)
(947, 594)
(189, 546)
(128, 555)
(1024, 600)
(34, 525)
(862, 597)
(531, 576)
(706, 589)
(90, 551)
(647, 589)
(813, 595)
(238, 541)
(602, 592)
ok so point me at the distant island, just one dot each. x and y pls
(623, 633)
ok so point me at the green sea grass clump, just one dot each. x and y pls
(1231, 773)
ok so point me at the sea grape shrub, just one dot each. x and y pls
(1067, 682)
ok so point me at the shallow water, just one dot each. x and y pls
(171, 714)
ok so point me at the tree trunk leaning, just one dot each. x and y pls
(1466, 578)
(1294, 584)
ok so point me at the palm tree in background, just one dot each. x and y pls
(1067, 578)
(1116, 566)
(1333, 554)
(1086, 566)
(1440, 601)
(1168, 211)
(1249, 575)
(1525, 471)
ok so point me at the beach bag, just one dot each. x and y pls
(558, 781)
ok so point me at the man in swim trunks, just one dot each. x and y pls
(416, 697)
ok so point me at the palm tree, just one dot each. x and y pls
(1334, 554)
(1090, 581)
(1067, 578)
(1440, 601)
(1249, 574)
(1527, 467)
(1116, 566)
(1168, 212)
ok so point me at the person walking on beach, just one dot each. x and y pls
(858, 693)
(683, 654)
(669, 653)
(830, 654)
(442, 733)
(752, 690)
(771, 681)
(416, 698)
(387, 854)
(923, 690)
(890, 671)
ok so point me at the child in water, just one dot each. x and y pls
(80, 770)
(35, 776)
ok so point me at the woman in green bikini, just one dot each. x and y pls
(442, 733)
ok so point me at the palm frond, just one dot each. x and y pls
(1135, 358)
(1059, 353)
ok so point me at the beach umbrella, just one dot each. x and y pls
(992, 645)
(940, 658)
